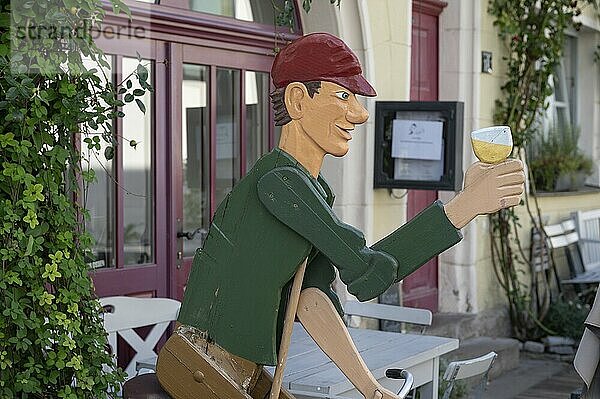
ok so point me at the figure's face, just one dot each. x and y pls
(330, 116)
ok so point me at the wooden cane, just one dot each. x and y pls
(288, 326)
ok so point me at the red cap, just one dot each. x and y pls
(320, 57)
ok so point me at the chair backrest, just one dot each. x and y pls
(588, 227)
(380, 311)
(565, 235)
(123, 314)
(561, 235)
(462, 369)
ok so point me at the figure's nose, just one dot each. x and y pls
(357, 114)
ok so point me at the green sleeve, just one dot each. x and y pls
(289, 195)
(425, 236)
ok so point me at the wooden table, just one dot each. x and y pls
(311, 374)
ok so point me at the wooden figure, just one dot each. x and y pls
(278, 220)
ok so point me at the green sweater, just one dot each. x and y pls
(274, 218)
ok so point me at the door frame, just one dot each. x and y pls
(414, 294)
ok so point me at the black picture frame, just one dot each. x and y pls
(450, 113)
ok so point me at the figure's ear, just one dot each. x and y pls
(294, 97)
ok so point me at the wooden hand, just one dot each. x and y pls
(488, 188)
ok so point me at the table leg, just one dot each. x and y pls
(430, 390)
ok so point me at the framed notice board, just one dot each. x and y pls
(418, 145)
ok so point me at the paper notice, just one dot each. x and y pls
(414, 139)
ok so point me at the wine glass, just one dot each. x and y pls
(492, 144)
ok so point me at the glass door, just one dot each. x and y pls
(129, 256)
(222, 99)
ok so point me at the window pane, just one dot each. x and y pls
(257, 116)
(100, 202)
(227, 140)
(261, 11)
(138, 215)
(99, 199)
(559, 89)
(195, 154)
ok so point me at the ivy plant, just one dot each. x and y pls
(534, 34)
(284, 13)
(52, 340)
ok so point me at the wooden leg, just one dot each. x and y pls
(321, 320)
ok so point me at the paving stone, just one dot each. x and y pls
(561, 349)
(552, 340)
(535, 347)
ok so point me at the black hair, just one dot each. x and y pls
(280, 114)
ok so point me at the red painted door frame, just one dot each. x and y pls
(420, 289)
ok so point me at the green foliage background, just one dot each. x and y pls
(52, 340)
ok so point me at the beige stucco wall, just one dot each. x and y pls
(390, 25)
(489, 293)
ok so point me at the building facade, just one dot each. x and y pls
(209, 119)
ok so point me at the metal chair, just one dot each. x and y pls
(459, 370)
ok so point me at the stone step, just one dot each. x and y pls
(489, 323)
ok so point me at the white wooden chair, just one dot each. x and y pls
(422, 317)
(462, 369)
(565, 235)
(123, 314)
(587, 224)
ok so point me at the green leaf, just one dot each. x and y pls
(4, 20)
(128, 97)
(306, 4)
(142, 72)
(29, 246)
(141, 105)
(109, 153)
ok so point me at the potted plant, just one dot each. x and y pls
(557, 163)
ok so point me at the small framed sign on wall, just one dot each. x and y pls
(418, 145)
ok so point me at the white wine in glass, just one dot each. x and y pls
(492, 144)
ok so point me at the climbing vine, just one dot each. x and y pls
(53, 92)
(285, 13)
(534, 34)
